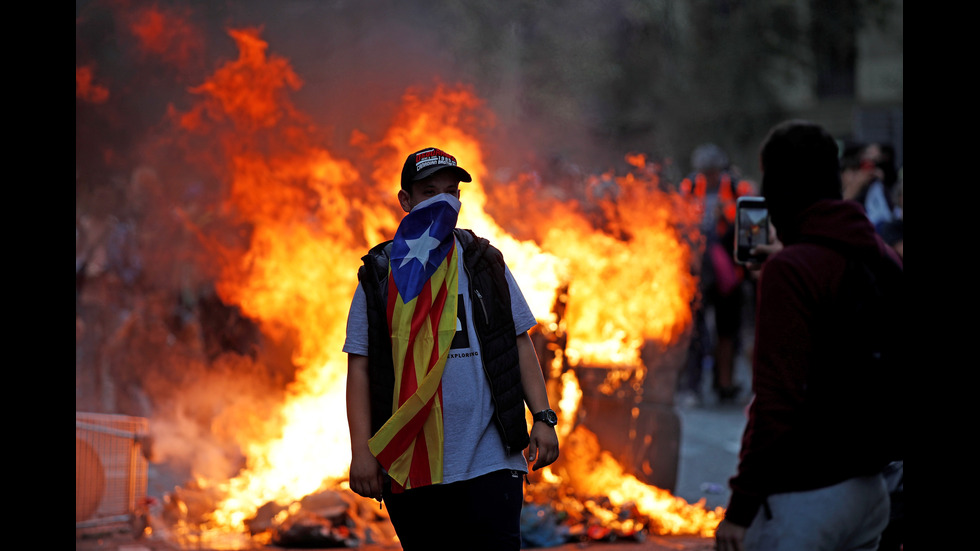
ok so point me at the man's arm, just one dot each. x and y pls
(543, 449)
(783, 346)
(366, 475)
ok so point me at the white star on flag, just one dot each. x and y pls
(420, 247)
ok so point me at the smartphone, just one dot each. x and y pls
(751, 227)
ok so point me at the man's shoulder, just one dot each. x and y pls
(471, 242)
(380, 248)
(378, 254)
(803, 257)
(477, 247)
(376, 260)
(468, 237)
(464, 236)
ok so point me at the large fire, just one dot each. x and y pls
(619, 262)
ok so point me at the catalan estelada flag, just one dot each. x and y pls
(423, 282)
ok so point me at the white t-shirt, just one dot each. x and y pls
(472, 443)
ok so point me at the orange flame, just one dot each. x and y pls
(310, 215)
(590, 479)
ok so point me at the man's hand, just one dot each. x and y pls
(728, 536)
(366, 476)
(764, 251)
(544, 445)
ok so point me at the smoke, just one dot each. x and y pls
(355, 60)
(216, 413)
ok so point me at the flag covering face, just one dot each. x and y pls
(422, 288)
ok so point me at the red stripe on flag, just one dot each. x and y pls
(400, 441)
(434, 317)
(410, 383)
(423, 305)
(420, 473)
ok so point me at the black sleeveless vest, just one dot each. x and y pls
(493, 321)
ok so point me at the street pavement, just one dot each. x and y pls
(711, 436)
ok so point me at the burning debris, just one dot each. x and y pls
(279, 223)
(585, 496)
(329, 518)
(596, 499)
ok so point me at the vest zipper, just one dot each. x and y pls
(486, 317)
(479, 339)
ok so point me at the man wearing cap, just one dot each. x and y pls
(440, 368)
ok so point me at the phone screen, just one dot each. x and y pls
(752, 226)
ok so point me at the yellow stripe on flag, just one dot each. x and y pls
(395, 444)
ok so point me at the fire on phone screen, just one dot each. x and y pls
(752, 226)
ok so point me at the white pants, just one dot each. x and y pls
(847, 516)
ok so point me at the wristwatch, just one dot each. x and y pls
(546, 416)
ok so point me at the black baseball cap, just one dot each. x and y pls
(428, 161)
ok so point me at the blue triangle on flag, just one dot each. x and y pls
(421, 243)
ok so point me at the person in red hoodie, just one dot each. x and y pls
(810, 471)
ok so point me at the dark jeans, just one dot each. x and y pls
(481, 513)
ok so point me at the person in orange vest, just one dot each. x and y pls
(715, 186)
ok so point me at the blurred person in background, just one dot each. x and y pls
(857, 172)
(715, 186)
(893, 231)
(868, 177)
(878, 200)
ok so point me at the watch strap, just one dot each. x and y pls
(547, 416)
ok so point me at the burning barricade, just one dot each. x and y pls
(605, 265)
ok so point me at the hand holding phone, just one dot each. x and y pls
(751, 228)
